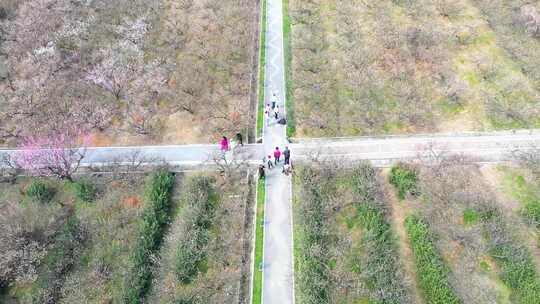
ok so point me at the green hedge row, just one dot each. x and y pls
(518, 270)
(381, 265)
(200, 200)
(154, 219)
(287, 48)
(431, 270)
(312, 241)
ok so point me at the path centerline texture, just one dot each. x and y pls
(278, 278)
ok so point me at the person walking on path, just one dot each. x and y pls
(287, 155)
(273, 99)
(270, 165)
(267, 115)
(224, 144)
(239, 139)
(277, 155)
(276, 113)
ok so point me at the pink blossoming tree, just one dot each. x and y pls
(55, 155)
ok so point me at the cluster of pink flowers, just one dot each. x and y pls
(53, 155)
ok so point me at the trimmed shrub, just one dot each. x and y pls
(404, 179)
(40, 191)
(155, 217)
(431, 270)
(85, 191)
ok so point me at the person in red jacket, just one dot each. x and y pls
(224, 144)
(277, 155)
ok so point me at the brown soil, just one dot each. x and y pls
(400, 210)
(131, 202)
(493, 179)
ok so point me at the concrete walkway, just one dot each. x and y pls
(381, 151)
(278, 261)
(384, 151)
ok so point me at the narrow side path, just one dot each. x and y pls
(278, 280)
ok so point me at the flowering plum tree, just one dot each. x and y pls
(53, 155)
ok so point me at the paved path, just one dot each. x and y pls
(381, 151)
(384, 151)
(278, 263)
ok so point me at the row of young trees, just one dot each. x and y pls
(345, 247)
(465, 223)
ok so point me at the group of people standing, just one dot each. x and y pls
(272, 110)
(273, 160)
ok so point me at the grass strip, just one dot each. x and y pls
(518, 270)
(154, 220)
(291, 123)
(431, 270)
(380, 265)
(259, 244)
(262, 70)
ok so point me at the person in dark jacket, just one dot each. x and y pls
(239, 138)
(270, 165)
(261, 172)
(287, 155)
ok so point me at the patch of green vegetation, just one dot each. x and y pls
(484, 265)
(291, 123)
(381, 263)
(259, 244)
(432, 271)
(449, 107)
(40, 191)
(85, 191)
(154, 220)
(200, 201)
(404, 179)
(262, 69)
(527, 193)
(470, 217)
(517, 269)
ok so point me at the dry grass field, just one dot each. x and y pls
(378, 67)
